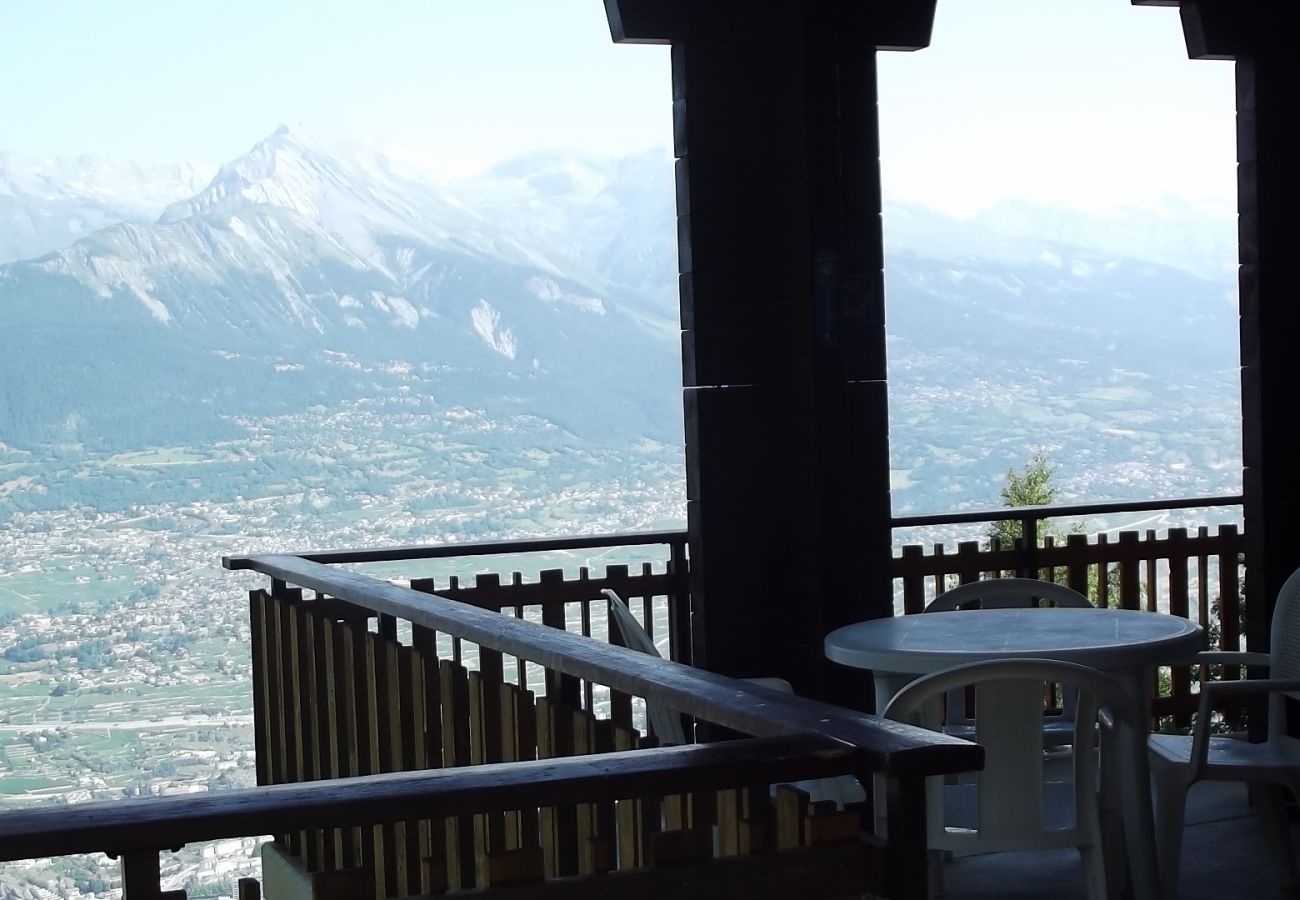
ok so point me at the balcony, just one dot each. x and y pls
(443, 735)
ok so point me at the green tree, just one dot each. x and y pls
(1033, 486)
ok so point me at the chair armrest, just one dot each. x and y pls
(1212, 689)
(1224, 658)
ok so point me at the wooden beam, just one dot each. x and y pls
(888, 747)
(646, 21)
(1215, 29)
(135, 829)
(888, 24)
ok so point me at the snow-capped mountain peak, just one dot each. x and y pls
(354, 197)
(46, 204)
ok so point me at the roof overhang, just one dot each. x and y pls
(889, 24)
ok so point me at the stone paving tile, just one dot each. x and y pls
(1225, 857)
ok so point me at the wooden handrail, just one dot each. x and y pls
(126, 826)
(889, 748)
(643, 538)
(475, 548)
(1064, 511)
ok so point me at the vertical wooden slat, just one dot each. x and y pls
(376, 737)
(354, 749)
(413, 758)
(1103, 573)
(1048, 573)
(627, 812)
(276, 691)
(1077, 570)
(509, 709)
(679, 603)
(454, 689)
(1229, 591)
(791, 806)
(309, 726)
(1150, 566)
(913, 585)
(729, 815)
(291, 705)
(262, 702)
(584, 622)
(1130, 591)
(600, 850)
(584, 814)
(563, 819)
(968, 561)
(331, 746)
(477, 756)
(1230, 610)
(140, 875)
(559, 687)
(527, 744)
(1181, 676)
(403, 869)
(547, 820)
(433, 832)
(940, 553)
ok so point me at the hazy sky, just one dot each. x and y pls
(1100, 108)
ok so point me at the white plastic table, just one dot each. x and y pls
(1127, 644)
(1123, 642)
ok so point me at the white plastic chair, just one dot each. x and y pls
(1010, 593)
(667, 723)
(1179, 761)
(1009, 810)
(1007, 593)
(664, 722)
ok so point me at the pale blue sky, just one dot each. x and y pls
(1100, 108)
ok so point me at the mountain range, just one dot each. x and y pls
(545, 286)
(293, 255)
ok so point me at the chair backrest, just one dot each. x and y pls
(1284, 651)
(664, 722)
(1096, 691)
(1007, 593)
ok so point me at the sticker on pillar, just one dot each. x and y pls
(824, 287)
(860, 304)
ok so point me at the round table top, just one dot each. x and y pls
(1106, 639)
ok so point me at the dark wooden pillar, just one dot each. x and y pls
(783, 341)
(1261, 36)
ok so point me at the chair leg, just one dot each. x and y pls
(1094, 871)
(937, 886)
(1277, 831)
(1171, 807)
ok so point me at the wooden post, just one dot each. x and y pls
(783, 353)
(1260, 37)
(909, 860)
(140, 875)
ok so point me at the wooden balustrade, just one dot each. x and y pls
(770, 842)
(1196, 575)
(480, 737)
(354, 676)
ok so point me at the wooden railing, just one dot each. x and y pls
(660, 588)
(781, 847)
(1195, 574)
(355, 676)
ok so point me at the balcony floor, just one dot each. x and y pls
(1224, 855)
